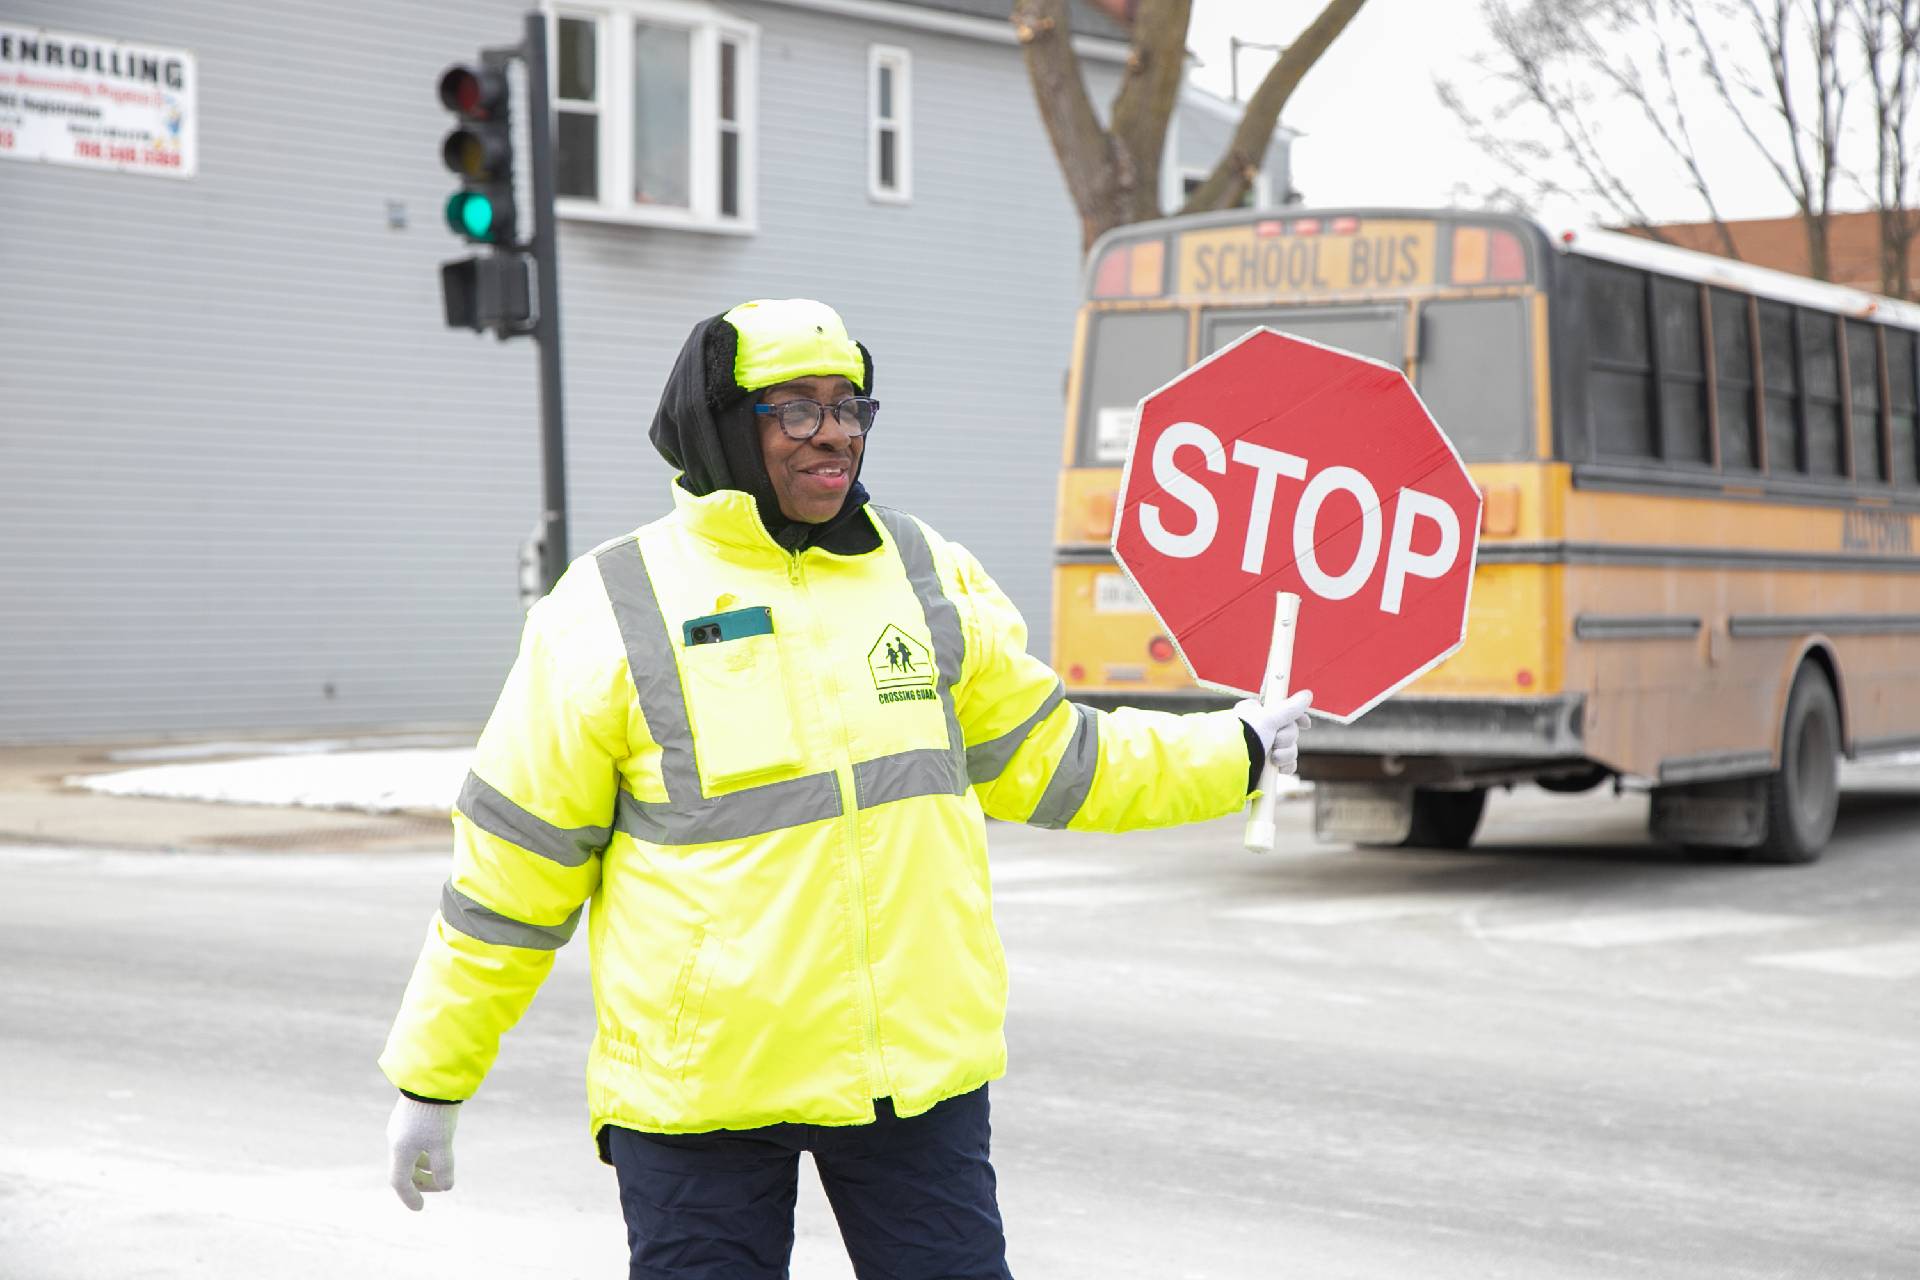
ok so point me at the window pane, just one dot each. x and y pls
(1733, 371)
(728, 56)
(1683, 419)
(1676, 311)
(1780, 372)
(1863, 365)
(662, 73)
(1903, 451)
(1736, 428)
(1783, 435)
(1820, 357)
(1866, 446)
(1617, 313)
(576, 161)
(577, 65)
(1622, 417)
(886, 92)
(1776, 348)
(1818, 351)
(1130, 355)
(1823, 439)
(1900, 369)
(1863, 386)
(1732, 339)
(887, 181)
(729, 173)
(1473, 375)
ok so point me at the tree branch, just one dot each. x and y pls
(1240, 163)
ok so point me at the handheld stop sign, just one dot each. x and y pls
(1278, 467)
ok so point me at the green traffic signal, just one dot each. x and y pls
(471, 214)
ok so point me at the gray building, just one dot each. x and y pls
(249, 482)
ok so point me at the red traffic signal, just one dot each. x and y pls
(477, 93)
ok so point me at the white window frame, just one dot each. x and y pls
(900, 62)
(708, 27)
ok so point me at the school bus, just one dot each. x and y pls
(1697, 570)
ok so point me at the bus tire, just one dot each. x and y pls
(1445, 819)
(1803, 794)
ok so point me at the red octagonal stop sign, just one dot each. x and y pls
(1277, 464)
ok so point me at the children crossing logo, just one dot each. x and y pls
(902, 667)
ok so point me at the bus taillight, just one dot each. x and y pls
(1483, 255)
(1132, 271)
(1160, 649)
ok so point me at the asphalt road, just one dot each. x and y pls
(1564, 1056)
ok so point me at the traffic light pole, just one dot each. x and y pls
(546, 327)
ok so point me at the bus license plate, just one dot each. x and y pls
(1115, 593)
(1366, 812)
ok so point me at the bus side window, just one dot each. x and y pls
(1901, 400)
(1620, 377)
(1820, 357)
(1733, 380)
(1863, 386)
(1683, 380)
(1780, 371)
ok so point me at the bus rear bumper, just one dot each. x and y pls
(1422, 738)
(1512, 728)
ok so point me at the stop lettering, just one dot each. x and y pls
(1281, 465)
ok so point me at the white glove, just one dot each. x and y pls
(1278, 727)
(420, 1137)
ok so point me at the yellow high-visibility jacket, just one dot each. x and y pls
(781, 833)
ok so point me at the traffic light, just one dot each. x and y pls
(480, 150)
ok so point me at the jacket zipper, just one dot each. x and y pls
(857, 876)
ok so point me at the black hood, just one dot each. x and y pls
(705, 428)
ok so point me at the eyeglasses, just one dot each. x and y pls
(801, 419)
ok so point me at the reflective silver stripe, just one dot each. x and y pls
(753, 812)
(943, 620)
(656, 677)
(688, 816)
(498, 816)
(476, 921)
(1073, 777)
(927, 772)
(988, 760)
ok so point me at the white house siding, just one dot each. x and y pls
(248, 482)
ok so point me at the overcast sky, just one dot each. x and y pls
(1375, 132)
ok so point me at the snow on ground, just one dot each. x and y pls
(374, 781)
(318, 777)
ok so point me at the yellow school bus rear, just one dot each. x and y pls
(1696, 568)
(1166, 295)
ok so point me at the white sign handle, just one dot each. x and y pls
(1273, 691)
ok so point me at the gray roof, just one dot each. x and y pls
(1087, 20)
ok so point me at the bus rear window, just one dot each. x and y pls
(1130, 355)
(1473, 376)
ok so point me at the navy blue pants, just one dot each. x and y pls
(914, 1198)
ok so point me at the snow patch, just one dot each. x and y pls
(370, 781)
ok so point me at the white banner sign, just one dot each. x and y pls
(98, 103)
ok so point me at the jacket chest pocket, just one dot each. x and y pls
(739, 710)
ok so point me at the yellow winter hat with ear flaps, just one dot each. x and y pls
(786, 338)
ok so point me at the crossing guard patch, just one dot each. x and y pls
(902, 667)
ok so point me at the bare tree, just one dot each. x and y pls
(1112, 170)
(1890, 44)
(1775, 71)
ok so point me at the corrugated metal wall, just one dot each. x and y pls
(248, 481)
